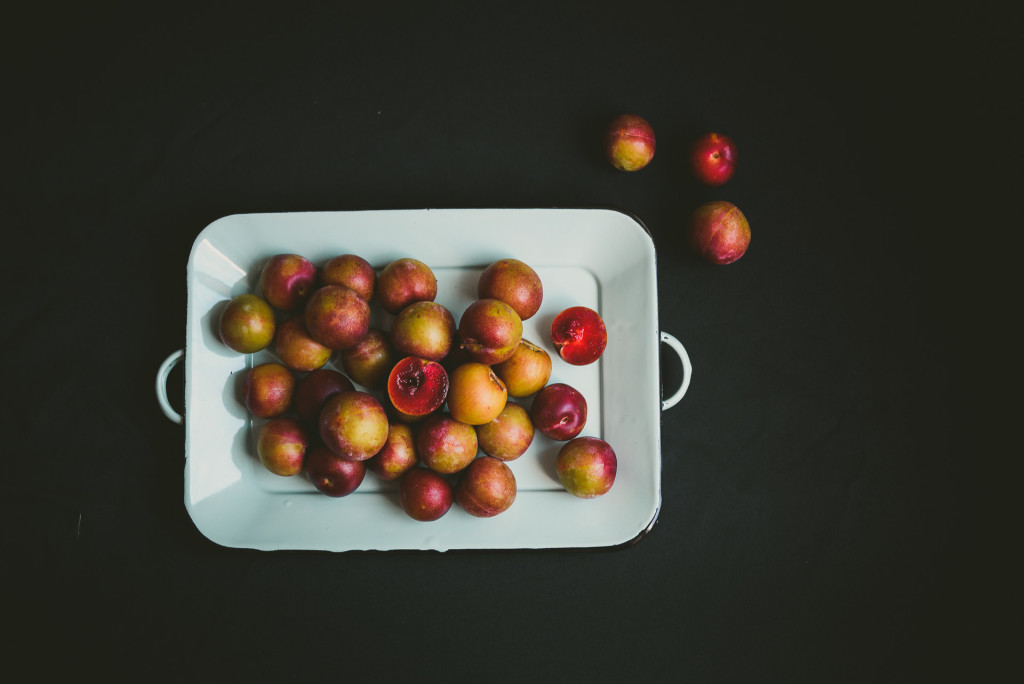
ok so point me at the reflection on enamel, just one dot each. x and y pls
(216, 266)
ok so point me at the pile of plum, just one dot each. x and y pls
(444, 428)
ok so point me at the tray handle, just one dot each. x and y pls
(677, 347)
(161, 386)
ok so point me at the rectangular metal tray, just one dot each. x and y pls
(599, 258)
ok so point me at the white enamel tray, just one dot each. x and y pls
(599, 258)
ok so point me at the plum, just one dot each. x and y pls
(331, 474)
(424, 495)
(446, 445)
(526, 371)
(296, 347)
(281, 445)
(369, 362)
(719, 232)
(286, 280)
(513, 282)
(247, 324)
(352, 271)
(268, 390)
(476, 395)
(508, 436)
(403, 282)
(424, 329)
(337, 317)
(353, 425)
(490, 330)
(398, 454)
(586, 467)
(713, 158)
(579, 335)
(559, 411)
(313, 391)
(486, 487)
(629, 142)
(417, 386)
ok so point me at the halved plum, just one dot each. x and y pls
(579, 335)
(417, 386)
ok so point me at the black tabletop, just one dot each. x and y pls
(820, 489)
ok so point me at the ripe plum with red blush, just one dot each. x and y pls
(629, 142)
(352, 271)
(446, 445)
(370, 361)
(586, 467)
(281, 446)
(403, 282)
(268, 390)
(353, 425)
(247, 324)
(719, 232)
(337, 317)
(486, 488)
(286, 281)
(296, 347)
(513, 282)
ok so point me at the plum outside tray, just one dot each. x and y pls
(599, 258)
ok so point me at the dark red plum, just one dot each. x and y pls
(287, 280)
(353, 425)
(445, 445)
(513, 282)
(424, 495)
(508, 436)
(486, 488)
(490, 330)
(352, 271)
(713, 158)
(586, 467)
(403, 282)
(331, 474)
(579, 335)
(281, 445)
(423, 329)
(337, 317)
(313, 391)
(296, 347)
(559, 411)
(268, 390)
(247, 324)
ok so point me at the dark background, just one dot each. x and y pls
(828, 480)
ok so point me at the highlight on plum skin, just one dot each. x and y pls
(579, 334)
